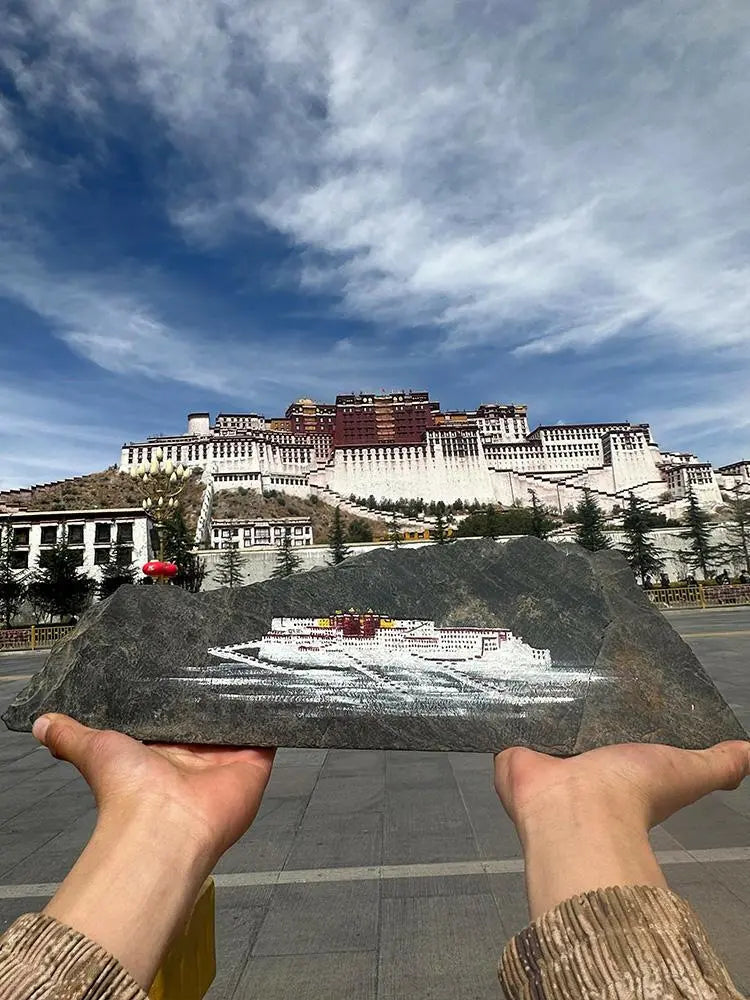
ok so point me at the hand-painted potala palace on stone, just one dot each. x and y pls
(403, 445)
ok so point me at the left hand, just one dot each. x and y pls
(213, 792)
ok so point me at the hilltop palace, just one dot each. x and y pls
(402, 445)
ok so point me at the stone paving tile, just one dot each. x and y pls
(350, 795)
(494, 832)
(239, 915)
(331, 841)
(441, 947)
(310, 977)
(268, 841)
(725, 915)
(52, 860)
(292, 782)
(509, 892)
(12, 909)
(360, 764)
(308, 919)
(440, 885)
(709, 823)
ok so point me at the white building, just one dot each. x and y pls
(488, 455)
(247, 533)
(91, 535)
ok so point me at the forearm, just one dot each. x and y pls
(133, 888)
(573, 847)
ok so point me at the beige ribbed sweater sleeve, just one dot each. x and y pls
(41, 959)
(627, 943)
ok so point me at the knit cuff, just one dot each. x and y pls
(42, 958)
(634, 941)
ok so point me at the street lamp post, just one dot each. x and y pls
(161, 483)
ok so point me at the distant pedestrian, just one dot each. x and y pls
(664, 580)
(743, 578)
(648, 583)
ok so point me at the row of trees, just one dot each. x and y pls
(57, 587)
(700, 553)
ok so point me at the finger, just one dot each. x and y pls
(65, 738)
(725, 765)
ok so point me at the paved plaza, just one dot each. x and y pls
(388, 875)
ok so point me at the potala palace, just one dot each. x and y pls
(402, 445)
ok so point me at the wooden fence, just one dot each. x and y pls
(32, 637)
(700, 596)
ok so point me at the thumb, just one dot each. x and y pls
(726, 764)
(65, 738)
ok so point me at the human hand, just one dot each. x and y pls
(584, 821)
(166, 814)
(649, 781)
(213, 792)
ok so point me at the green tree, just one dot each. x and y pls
(336, 539)
(359, 531)
(738, 528)
(117, 571)
(58, 589)
(12, 580)
(541, 522)
(229, 568)
(287, 560)
(701, 552)
(178, 548)
(570, 515)
(491, 522)
(394, 532)
(639, 550)
(439, 532)
(590, 529)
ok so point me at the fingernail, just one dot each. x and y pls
(40, 727)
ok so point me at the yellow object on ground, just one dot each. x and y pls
(190, 965)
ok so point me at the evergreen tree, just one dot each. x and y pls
(639, 550)
(178, 548)
(359, 531)
(590, 528)
(57, 588)
(491, 522)
(287, 561)
(394, 532)
(229, 569)
(12, 581)
(738, 529)
(336, 540)
(439, 532)
(541, 520)
(115, 573)
(701, 552)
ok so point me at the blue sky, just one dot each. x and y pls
(230, 204)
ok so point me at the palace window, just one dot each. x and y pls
(48, 534)
(101, 557)
(19, 560)
(124, 534)
(20, 536)
(102, 534)
(75, 534)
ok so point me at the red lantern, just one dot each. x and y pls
(169, 569)
(152, 568)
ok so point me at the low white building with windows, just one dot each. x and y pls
(249, 533)
(90, 534)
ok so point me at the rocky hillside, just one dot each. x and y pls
(109, 488)
(249, 503)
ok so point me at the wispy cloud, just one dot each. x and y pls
(576, 166)
(539, 177)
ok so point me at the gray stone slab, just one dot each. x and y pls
(354, 763)
(435, 885)
(293, 781)
(709, 823)
(614, 665)
(427, 824)
(441, 947)
(493, 831)
(309, 919)
(268, 841)
(725, 915)
(51, 861)
(509, 892)
(337, 841)
(324, 976)
(350, 795)
(12, 909)
(239, 916)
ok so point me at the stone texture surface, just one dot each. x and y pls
(129, 663)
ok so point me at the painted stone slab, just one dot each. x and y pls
(473, 646)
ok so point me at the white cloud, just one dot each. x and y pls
(536, 176)
(577, 167)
